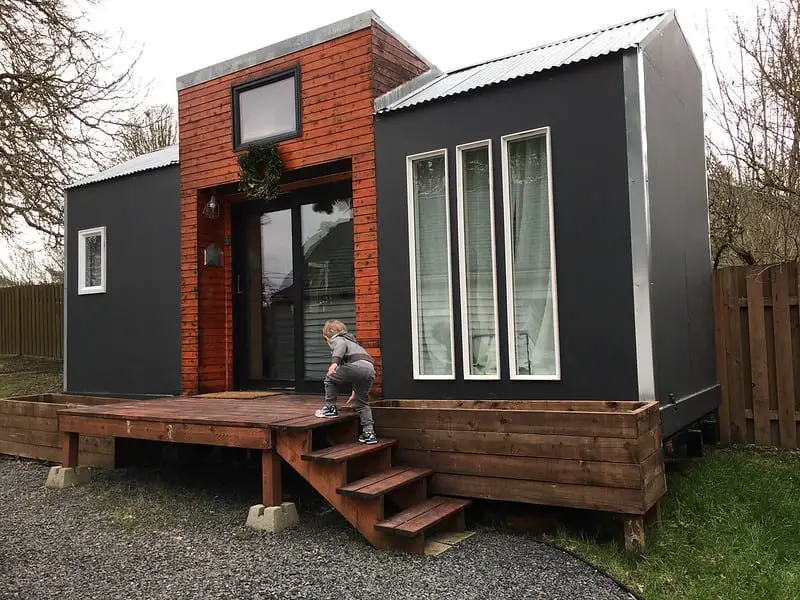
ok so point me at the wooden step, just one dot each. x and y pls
(418, 519)
(344, 452)
(384, 482)
(312, 422)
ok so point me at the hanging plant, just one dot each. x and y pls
(260, 170)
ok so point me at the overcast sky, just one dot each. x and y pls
(180, 36)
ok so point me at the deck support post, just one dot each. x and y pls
(69, 474)
(69, 449)
(271, 489)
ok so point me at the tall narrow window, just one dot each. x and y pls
(478, 278)
(431, 277)
(92, 261)
(530, 256)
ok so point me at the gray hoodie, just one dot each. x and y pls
(345, 349)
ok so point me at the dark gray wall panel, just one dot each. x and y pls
(127, 340)
(584, 106)
(681, 282)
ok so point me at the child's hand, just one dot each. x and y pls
(332, 369)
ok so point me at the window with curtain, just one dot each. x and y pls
(431, 279)
(477, 273)
(533, 340)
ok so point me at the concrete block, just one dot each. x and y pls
(60, 478)
(273, 518)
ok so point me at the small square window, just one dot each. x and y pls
(92, 261)
(266, 109)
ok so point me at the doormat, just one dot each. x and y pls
(250, 394)
(442, 542)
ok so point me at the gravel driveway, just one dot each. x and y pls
(153, 534)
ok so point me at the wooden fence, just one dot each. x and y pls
(758, 354)
(31, 320)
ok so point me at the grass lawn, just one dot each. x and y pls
(731, 530)
(22, 376)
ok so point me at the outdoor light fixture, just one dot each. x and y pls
(211, 209)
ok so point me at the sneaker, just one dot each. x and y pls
(368, 437)
(327, 412)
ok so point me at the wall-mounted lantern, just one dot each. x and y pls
(211, 209)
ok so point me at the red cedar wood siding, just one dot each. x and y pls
(339, 80)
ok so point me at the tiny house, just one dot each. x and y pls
(522, 245)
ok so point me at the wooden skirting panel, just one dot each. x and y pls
(583, 454)
(29, 429)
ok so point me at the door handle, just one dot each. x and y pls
(238, 284)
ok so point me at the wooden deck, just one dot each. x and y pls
(582, 454)
(232, 422)
(387, 503)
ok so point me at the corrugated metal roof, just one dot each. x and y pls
(529, 62)
(146, 162)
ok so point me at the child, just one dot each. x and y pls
(350, 363)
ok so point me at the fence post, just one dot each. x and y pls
(18, 318)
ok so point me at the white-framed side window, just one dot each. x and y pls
(477, 260)
(92, 261)
(432, 334)
(530, 256)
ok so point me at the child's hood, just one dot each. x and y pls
(345, 335)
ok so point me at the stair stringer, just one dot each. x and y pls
(327, 478)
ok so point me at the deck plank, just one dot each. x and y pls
(237, 412)
(382, 483)
(344, 452)
(418, 519)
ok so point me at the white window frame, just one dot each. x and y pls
(413, 263)
(462, 260)
(512, 346)
(83, 289)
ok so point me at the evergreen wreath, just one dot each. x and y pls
(260, 170)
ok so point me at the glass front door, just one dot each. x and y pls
(294, 271)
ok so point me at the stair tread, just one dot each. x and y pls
(344, 452)
(384, 482)
(421, 517)
(312, 422)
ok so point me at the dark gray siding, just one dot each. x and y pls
(584, 106)
(681, 293)
(127, 341)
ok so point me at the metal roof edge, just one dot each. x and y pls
(656, 23)
(111, 173)
(667, 18)
(407, 89)
(278, 49)
(670, 18)
(661, 13)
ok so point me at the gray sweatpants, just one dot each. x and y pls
(361, 374)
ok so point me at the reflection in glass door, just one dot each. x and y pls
(329, 282)
(296, 265)
(270, 322)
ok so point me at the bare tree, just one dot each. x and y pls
(153, 128)
(754, 161)
(61, 98)
(24, 265)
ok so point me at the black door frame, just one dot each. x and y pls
(288, 201)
